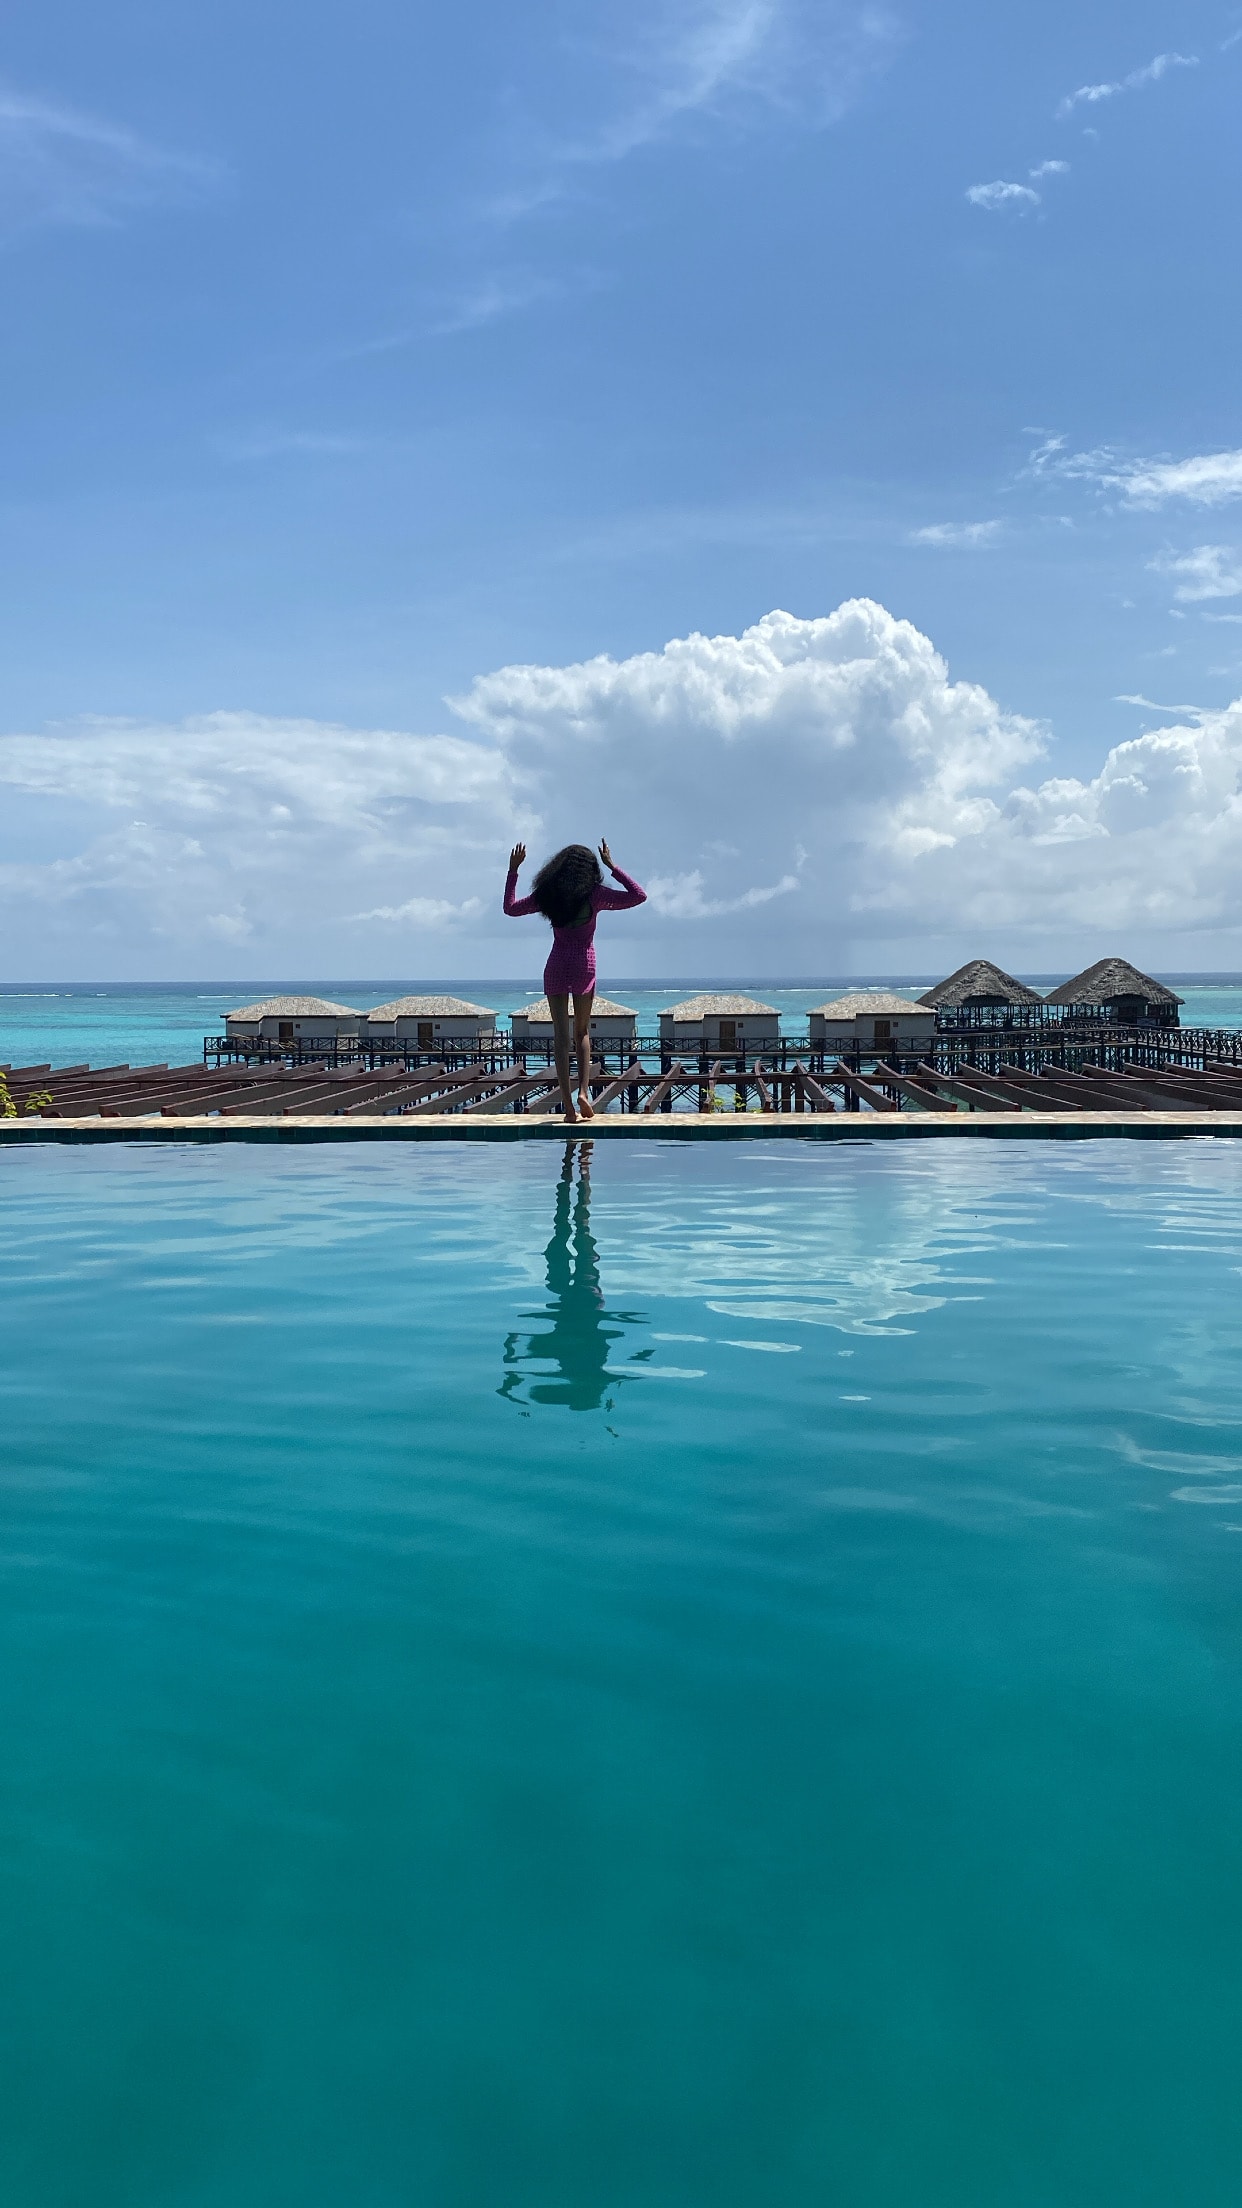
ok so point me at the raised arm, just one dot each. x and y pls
(517, 907)
(617, 900)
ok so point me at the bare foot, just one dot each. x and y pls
(571, 1119)
(585, 1106)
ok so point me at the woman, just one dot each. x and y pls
(570, 893)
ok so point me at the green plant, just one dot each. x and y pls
(36, 1102)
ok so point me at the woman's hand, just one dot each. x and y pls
(517, 857)
(605, 854)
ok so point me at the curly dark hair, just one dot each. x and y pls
(562, 887)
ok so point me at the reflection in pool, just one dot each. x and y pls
(567, 1363)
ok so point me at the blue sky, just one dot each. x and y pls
(360, 359)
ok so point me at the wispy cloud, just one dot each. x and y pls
(493, 296)
(1000, 194)
(424, 912)
(1152, 705)
(1090, 95)
(1017, 198)
(681, 896)
(969, 536)
(60, 166)
(707, 62)
(1207, 571)
(276, 444)
(1204, 479)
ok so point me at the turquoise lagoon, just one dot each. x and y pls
(144, 1023)
(677, 1674)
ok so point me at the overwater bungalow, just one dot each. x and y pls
(720, 1026)
(611, 1024)
(980, 994)
(432, 1023)
(1116, 991)
(302, 1023)
(872, 1020)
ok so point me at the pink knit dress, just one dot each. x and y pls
(570, 970)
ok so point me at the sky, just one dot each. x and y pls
(799, 441)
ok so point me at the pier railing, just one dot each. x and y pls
(1029, 1048)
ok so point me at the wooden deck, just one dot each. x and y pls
(322, 1103)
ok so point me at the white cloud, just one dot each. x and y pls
(424, 912)
(789, 795)
(1209, 571)
(60, 166)
(491, 297)
(966, 536)
(1204, 479)
(246, 830)
(680, 896)
(1090, 95)
(674, 69)
(1048, 168)
(1000, 194)
(279, 444)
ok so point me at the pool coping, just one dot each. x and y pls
(622, 1127)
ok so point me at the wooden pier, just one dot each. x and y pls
(326, 1101)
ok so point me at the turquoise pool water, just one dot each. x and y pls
(716, 1682)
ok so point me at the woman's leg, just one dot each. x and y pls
(559, 1008)
(582, 1044)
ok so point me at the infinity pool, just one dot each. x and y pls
(676, 1676)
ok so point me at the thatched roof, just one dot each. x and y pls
(1108, 979)
(866, 1002)
(430, 1008)
(714, 1008)
(601, 1008)
(294, 1008)
(979, 978)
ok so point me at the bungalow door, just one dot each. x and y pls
(728, 1035)
(883, 1034)
(426, 1035)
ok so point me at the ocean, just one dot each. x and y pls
(154, 1023)
(700, 1676)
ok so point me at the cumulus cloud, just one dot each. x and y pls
(1208, 571)
(958, 536)
(789, 795)
(58, 165)
(1000, 194)
(1090, 95)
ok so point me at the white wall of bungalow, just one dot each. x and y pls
(872, 1020)
(720, 1026)
(432, 1023)
(610, 1023)
(301, 1021)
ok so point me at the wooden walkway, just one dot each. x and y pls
(108, 1103)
